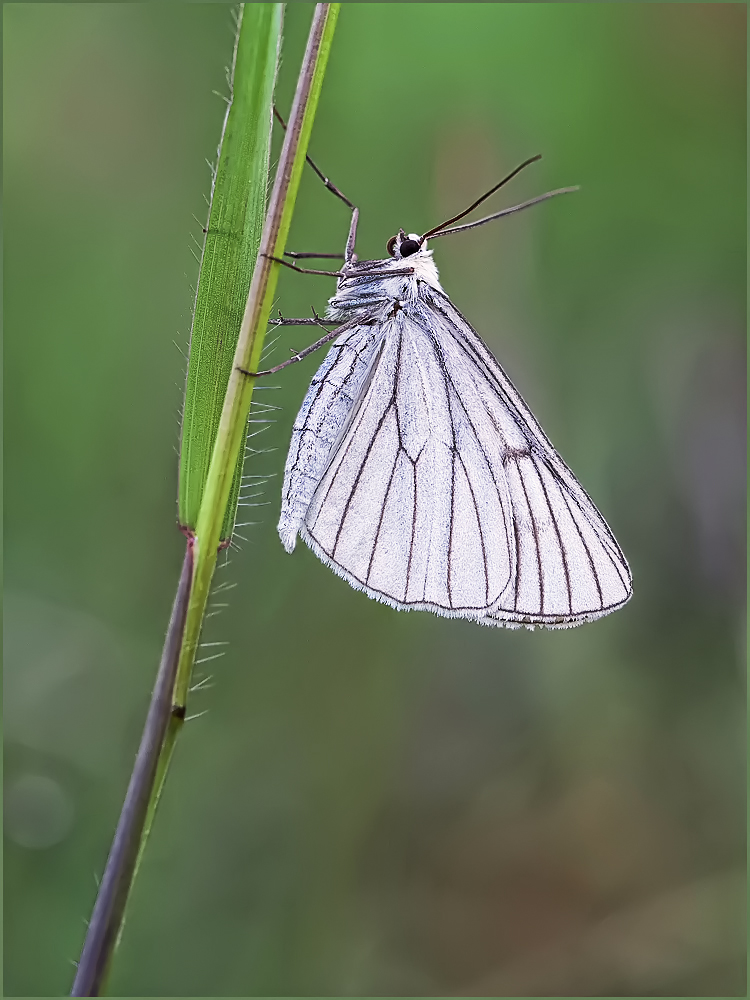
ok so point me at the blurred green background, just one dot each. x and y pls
(379, 803)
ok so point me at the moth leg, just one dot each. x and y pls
(283, 321)
(330, 335)
(298, 356)
(349, 255)
(331, 186)
(320, 256)
(385, 274)
(305, 270)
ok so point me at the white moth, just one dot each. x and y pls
(418, 474)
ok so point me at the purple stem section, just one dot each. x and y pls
(114, 888)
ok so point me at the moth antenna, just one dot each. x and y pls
(479, 201)
(506, 211)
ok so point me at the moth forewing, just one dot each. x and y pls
(417, 472)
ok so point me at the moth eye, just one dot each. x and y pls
(391, 246)
(408, 247)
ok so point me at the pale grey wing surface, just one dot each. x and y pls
(413, 507)
(568, 567)
(322, 417)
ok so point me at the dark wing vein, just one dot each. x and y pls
(606, 541)
(535, 532)
(382, 515)
(450, 530)
(481, 533)
(563, 552)
(358, 477)
(585, 544)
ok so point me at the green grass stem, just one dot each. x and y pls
(210, 486)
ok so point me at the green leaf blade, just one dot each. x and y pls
(238, 204)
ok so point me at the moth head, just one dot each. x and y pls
(401, 245)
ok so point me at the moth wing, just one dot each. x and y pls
(322, 419)
(412, 508)
(568, 566)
